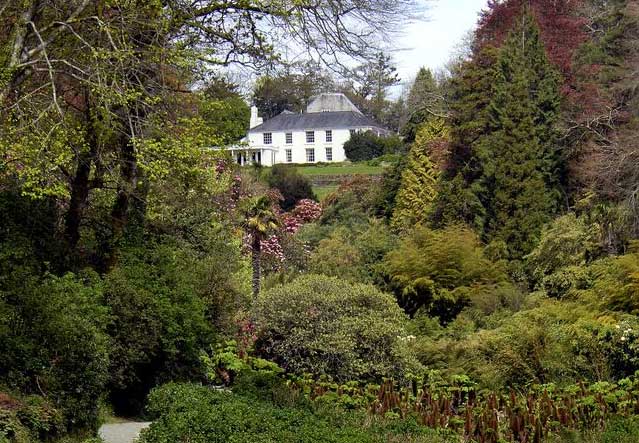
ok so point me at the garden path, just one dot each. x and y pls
(125, 432)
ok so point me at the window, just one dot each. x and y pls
(310, 155)
(268, 138)
(329, 154)
(329, 136)
(310, 136)
(289, 138)
(352, 131)
(289, 156)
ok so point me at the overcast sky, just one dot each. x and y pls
(431, 44)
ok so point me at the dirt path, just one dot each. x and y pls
(126, 432)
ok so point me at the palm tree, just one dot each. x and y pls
(260, 220)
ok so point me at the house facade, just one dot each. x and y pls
(318, 135)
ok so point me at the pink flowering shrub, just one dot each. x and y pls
(274, 248)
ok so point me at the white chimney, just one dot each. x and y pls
(255, 119)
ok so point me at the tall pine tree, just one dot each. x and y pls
(518, 185)
(504, 170)
(470, 91)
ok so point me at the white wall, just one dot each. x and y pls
(299, 145)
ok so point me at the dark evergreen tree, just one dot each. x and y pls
(470, 90)
(518, 186)
(425, 100)
(505, 168)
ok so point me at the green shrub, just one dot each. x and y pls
(354, 255)
(325, 326)
(352, 203)
(53, 341)
(159, 321)
(337, 256)
(616, 283)
(568, 242)
(292, 185)
(559, 342)
(363, 146)
(367, 146)
(198, 414)
(389, 187)
(442, 271)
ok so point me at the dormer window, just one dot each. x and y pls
(268, 138)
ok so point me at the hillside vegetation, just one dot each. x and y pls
(477, 281)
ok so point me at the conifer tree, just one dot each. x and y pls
(519, 156)
(419, 178)
(425, 101)
(504, 168)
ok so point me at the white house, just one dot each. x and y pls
(318, 135)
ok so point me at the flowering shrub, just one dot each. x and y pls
(306, 211)
(274, 248)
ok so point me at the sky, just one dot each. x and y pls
(431, 43)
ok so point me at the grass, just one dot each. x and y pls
(340, 169)
(323, 191)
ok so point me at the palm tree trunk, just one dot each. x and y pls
(256, 250)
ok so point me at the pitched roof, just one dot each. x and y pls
(316, 120)
(332, 102)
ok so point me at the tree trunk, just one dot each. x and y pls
(78, 200)
(16, 47)
(80, 185)
(120, 210)
(256, 252)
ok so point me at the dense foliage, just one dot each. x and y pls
(368, 145)
(320, 325)
(480, 285)
(201, 415)
(292, 185)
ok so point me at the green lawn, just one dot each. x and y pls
(323, 191)
(340, 169)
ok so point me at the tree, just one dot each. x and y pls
(223, 108)
(260, 220)
(389, 187)
(505, 169)
(291, 90)
(602, 118)
(419, 179)
(86, 87)
(368, 85)
(518, 186)
(425, 101)
(365, 146)
(327, 326)
(562, 27)
(471, 89)
(441, 271)
(292, 185)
